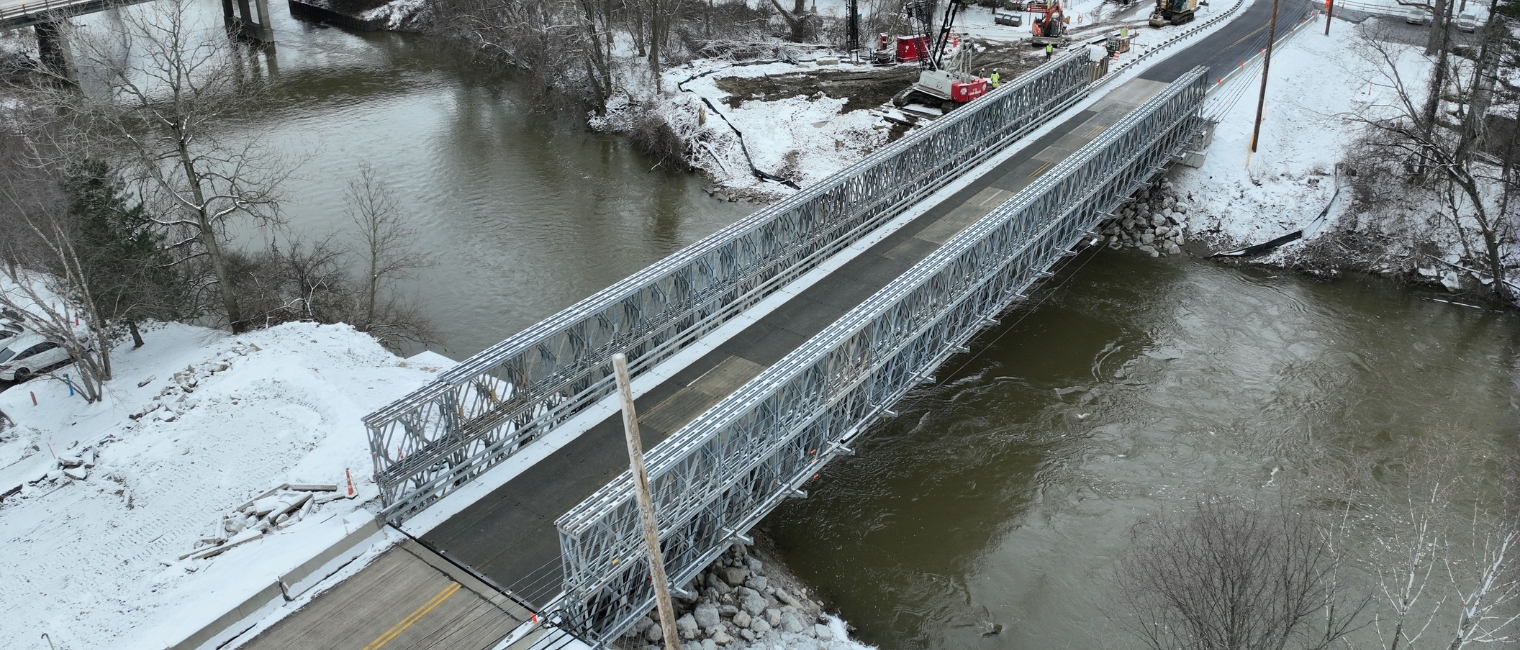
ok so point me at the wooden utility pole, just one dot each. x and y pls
(1266, 67)
(646, 505)
(1329, 13)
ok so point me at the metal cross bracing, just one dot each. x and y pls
(477, 414)
(723, 472)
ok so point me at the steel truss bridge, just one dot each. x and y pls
(476, 415)
(724, 471)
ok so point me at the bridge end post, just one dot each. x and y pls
(53, 49)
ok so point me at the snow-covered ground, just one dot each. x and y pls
(1241, 198)
(804, 138)
(194, 424)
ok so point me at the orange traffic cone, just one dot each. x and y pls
(350, 478)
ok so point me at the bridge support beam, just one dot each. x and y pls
(242, 22)
(53, 48)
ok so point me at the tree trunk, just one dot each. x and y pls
(1495, 263)
(799, 22)
(656, 21)
(1436, 38)
(137, 340)
(207, 233)
(638, 28)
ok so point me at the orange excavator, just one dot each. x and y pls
(1049, 25)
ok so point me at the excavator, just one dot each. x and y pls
(1049, 26)
(1173, 12)
(943, 80)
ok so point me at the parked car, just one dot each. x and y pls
(1417, 16)
(8, 329)
(24, 355)
(1467, 21)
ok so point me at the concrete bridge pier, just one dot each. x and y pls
(53, 48)
(243, 23)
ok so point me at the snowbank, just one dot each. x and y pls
(802, 138)
(1240, 198)
(195, 423)
(806, 137)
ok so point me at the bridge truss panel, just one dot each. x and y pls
(723, 472)
(487, 408)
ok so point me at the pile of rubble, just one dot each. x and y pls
(1153, 221)
(174, 399)
(274, 509)
(74, 465)
(737, 605)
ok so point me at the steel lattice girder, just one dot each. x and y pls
(723, 472)
(481, 412)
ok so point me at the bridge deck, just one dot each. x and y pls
(509, 535)
(407, 598)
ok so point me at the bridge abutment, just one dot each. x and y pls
(244, 22)
(53, 49)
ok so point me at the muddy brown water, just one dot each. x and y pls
(1003, 493)
(524, 212)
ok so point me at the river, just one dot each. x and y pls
(1002, 494)
(523, 212)
(1005, 493)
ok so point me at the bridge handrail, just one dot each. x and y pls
(29, 8)
(721, 473)
(477, 414)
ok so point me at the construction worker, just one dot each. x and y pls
(1050, 50)
(995, 78)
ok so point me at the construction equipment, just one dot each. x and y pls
(1049, 26)
(944, 78)
(1173, 12)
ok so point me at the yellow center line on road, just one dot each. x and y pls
(415, 616)
(1039, 171)
(1253, 33)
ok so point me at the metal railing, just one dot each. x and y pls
(42, 11)
(719, 475)
(28, 8)
(479, 413)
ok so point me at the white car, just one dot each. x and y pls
(1417, 16)
(24, 355)
(1467, 22)
(8, 329)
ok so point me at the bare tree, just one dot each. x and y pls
(1229, 575)
(1439, 154)
(1444, 549)
(387, 257)
(157, 100)
(796, 19)
(43, 276)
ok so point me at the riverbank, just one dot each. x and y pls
(747, 599)
(1300, 188)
